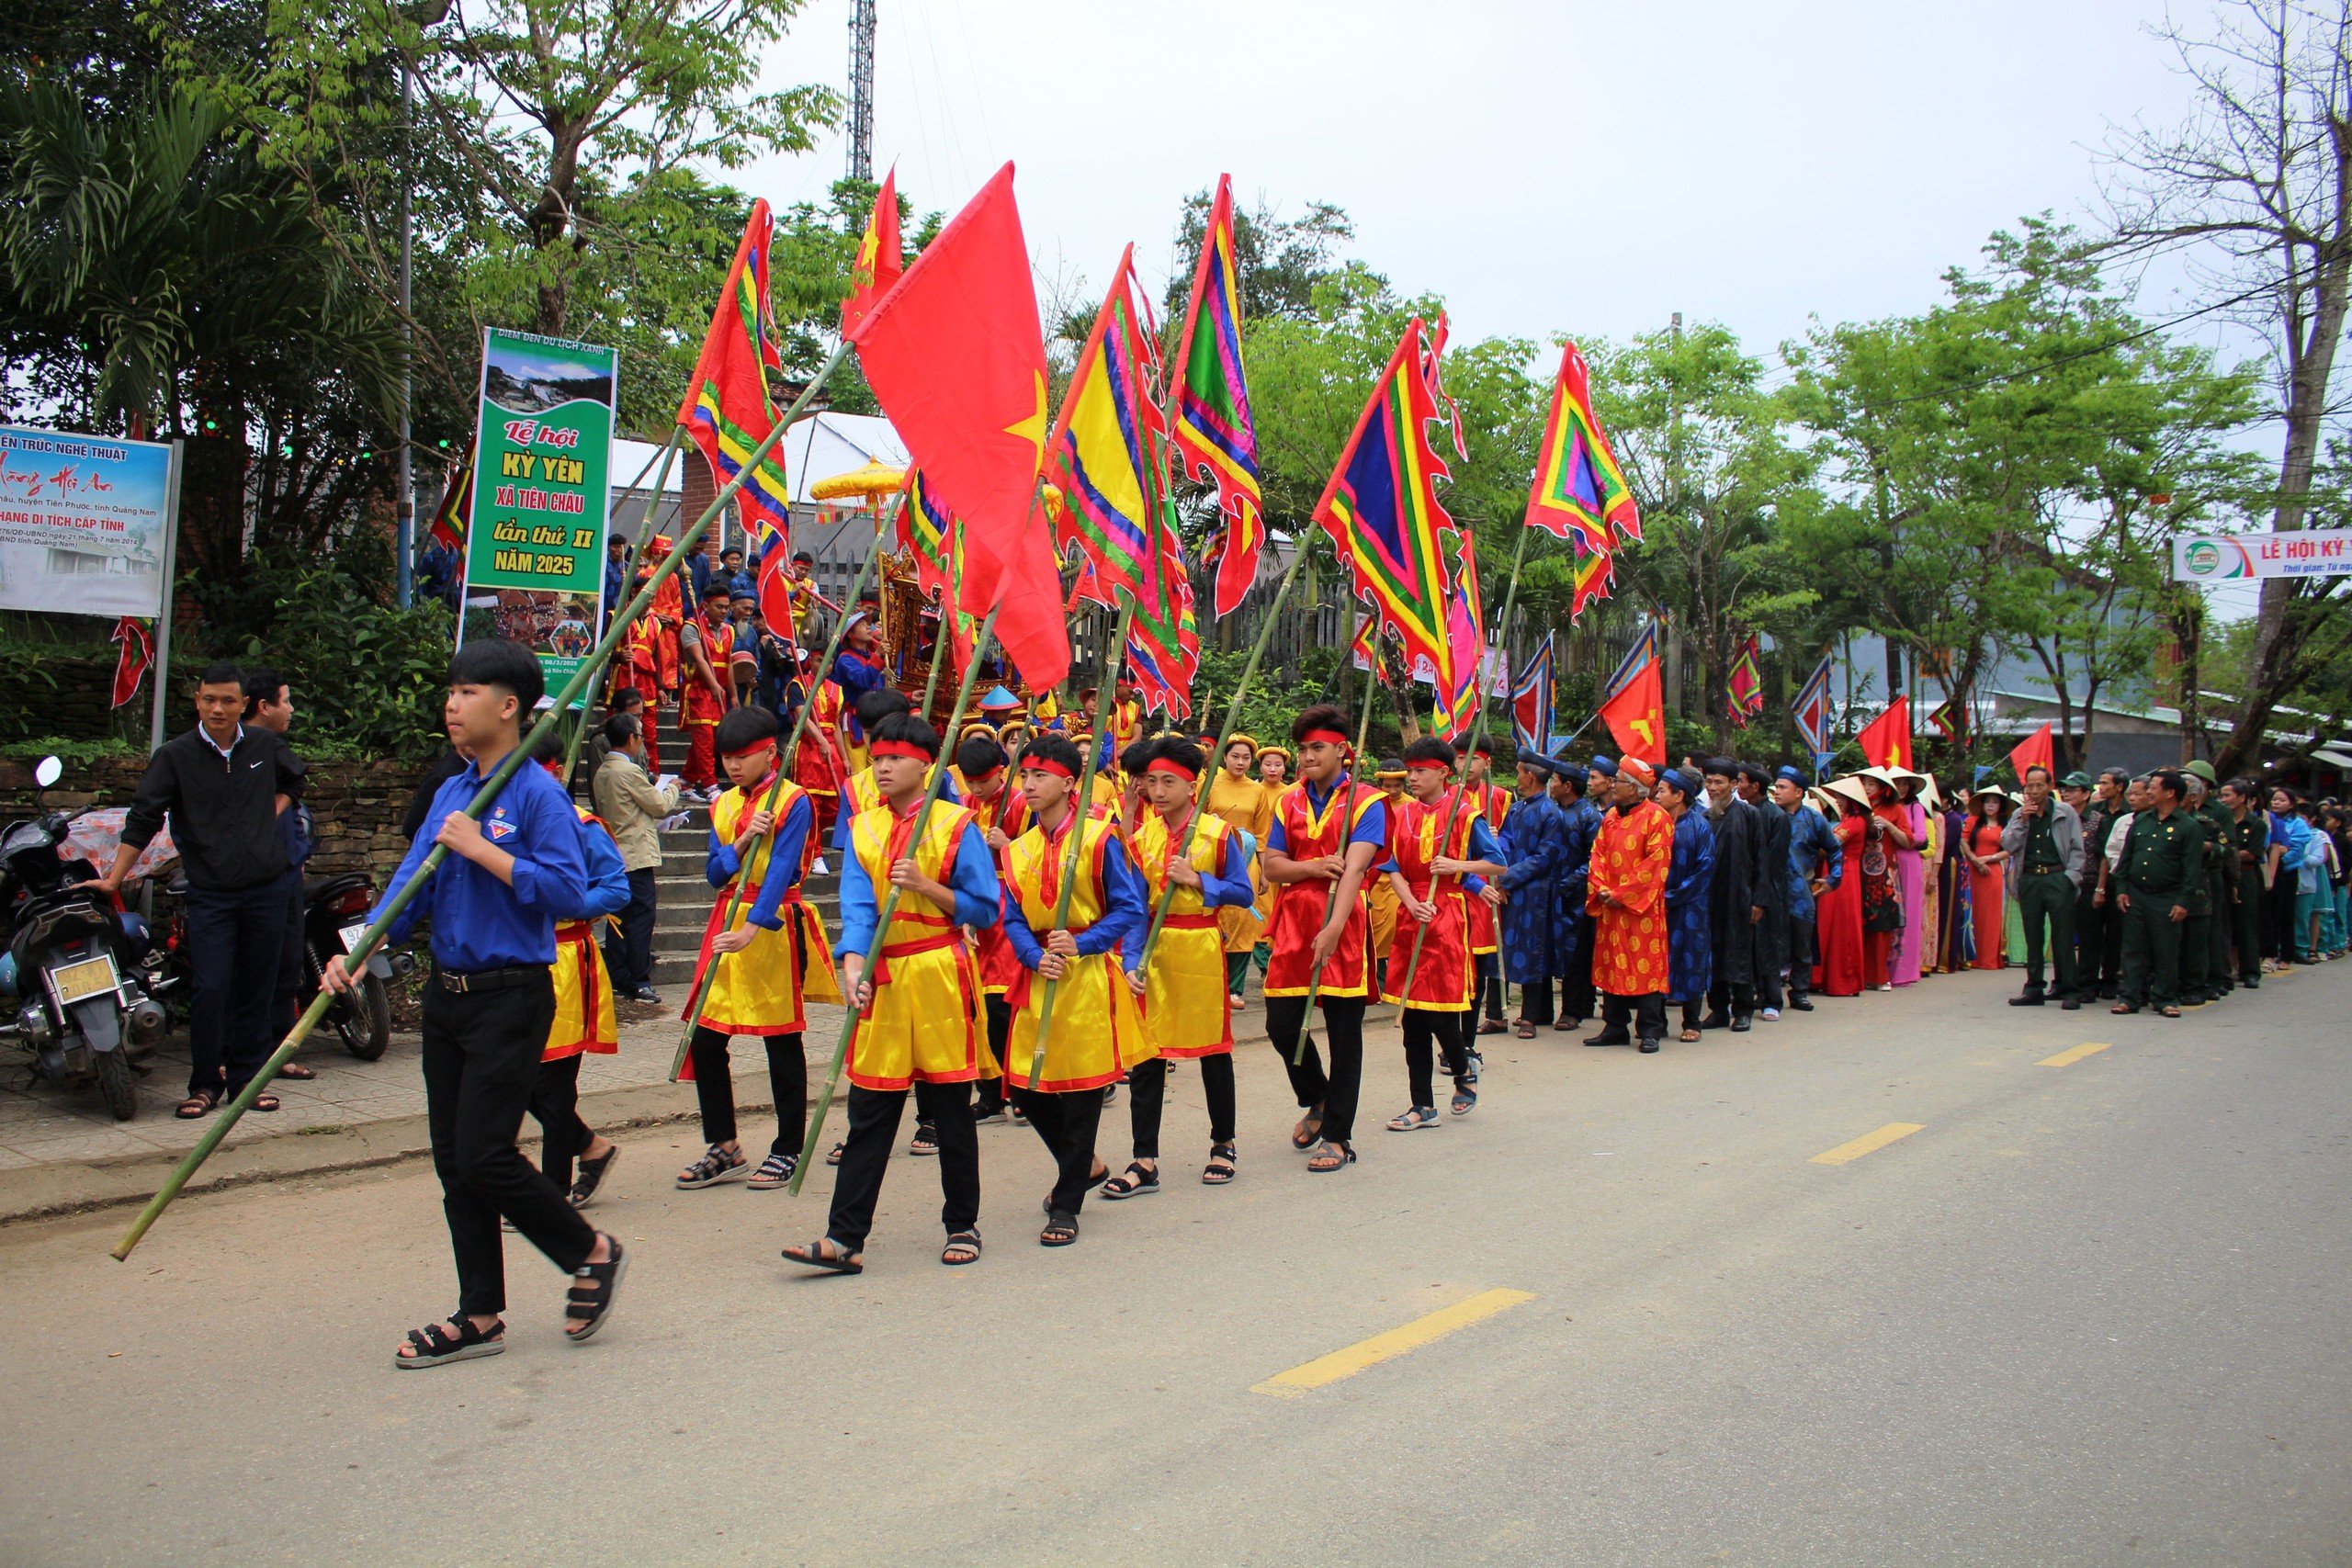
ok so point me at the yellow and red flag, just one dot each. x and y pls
(1214, 427)
(879, 259)
(1579, 491)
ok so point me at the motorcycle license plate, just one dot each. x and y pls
(79, 982)
(351, 935)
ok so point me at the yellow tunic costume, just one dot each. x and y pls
(1186, 1011)
(1248, 805)
(583, 990)
(925, 1025)
(1098, 1032)
(762, 990)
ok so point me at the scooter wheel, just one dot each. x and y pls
(114, 1082)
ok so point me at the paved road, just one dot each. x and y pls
(2089, 1312)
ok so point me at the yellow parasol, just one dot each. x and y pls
(868, 484)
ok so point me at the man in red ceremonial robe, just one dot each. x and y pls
(669, 615)
(1626, 898)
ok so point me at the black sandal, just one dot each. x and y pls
(967, 1243)
(812, 1255)
(588, 1304)
(298, 1072)
(434, 1346)
(833, 1155)
(1220, 1168)
(924, 1143)
(203, 1103)
(1061, 1229)
(264, 1103)
(1133, 1183)
(1310, 1128)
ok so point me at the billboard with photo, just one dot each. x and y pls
(83, 523)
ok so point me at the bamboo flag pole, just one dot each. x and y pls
(1477, 733)
(1347, 813)
(1079, 804)
(660, 454)
(373, 937)
(784, 762)
(890, 909)
(1224, 739)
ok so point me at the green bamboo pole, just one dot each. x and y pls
(1347, 810)
(645, 525)
(1080, 802)
(1477, 732)
(661, 454)
(783, 761)
(1224, 739)
(890, 907)
(373, 937)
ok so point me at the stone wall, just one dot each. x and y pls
(355, 807)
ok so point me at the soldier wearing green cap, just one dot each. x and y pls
(2209, 974)
(2164, 867)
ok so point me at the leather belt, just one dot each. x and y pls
(464, 982)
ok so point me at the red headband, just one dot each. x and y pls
(1047, 765)
(1434, 767)
(899, 749)
(765, 743)
(1170, 766)
(978, 779)
(1328, 737)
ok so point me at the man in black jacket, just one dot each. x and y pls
(1736, 900)
(1773, 826)
(223, 784)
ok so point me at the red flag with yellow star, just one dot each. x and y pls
(879, 256)
(1636, 715)
(955, 357)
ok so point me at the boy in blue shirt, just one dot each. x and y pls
(489, 1004)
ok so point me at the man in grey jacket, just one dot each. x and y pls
(2045, 843)
(632, 807)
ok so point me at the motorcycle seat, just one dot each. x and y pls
(319, 886)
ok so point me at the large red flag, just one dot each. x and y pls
(2036, 750)
(1636, 715)
(1886, 739)
(955, 355)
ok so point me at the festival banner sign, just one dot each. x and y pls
(541, 496)
(84, 522)
(2239, 557)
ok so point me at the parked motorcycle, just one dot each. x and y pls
(84, 1018)
(335, 914)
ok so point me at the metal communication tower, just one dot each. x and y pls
(861, 91)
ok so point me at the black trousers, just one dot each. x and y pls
(1336, 1091)
(2092, 920)
(1644, 1015)
(1535, 1001)
(873, 1126)
(2245, 926)
(1148, 1095)
(1576, 987)
(628, 952)
(481, 1065)
(2280, 939)
(554, 1106)
(715, 1087)
(292, 960)
(1802, 933)
(1424, 1030)
(1067, 1124)
(234, 939)
(1490, 983)
(1736, 997)
(1000, 1011)
(2046, 901)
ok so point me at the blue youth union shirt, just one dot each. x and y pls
(479, 922)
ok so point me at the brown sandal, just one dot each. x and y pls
(1523, 1029)
(297, 1072)
(1309, 1128)
(1687, 1035)
(203, 1103)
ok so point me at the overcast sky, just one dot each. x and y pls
(1545, 166)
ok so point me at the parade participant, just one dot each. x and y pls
(2249, 835)
(1274, 769)
(1883, 911)
(1906, 820)
(669, 610)
(1186, 1012)
(1815, 865)
(999, 707)
(1773, 886)
(1735, 894)
(2098, 933)
(1097, 1032)
(616, 577)
(1625, 895)
(489, 1005)
(1435, 849)
(2211, 978)
(1133, 758)
(637, 672)
(702, 652)
(917, 994)
(632, 808)
(801, 586)
(1687, 899)
(771, 958)
(821, 762)
(2044, 845)
(1535, 838)
(1379, 896)
(1987, 880)
(1327, 834)
(583, 1007)
(1126, 717)
(1571, 927)
(2164, 861)
(1491, 801)
(1837, 913)
(1003, 815)
(1241, 802)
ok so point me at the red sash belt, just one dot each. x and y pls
(881, 973)
(1204, 921)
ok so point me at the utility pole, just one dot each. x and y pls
(861, 91)
(404, 476)
(1674, 505)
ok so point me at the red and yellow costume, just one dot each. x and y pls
(1494, 803)
(1630, 858)
(583, 991)
(1098, 1030)
(669, 613)
(819, 766)
(1299, 905)
(1442, 975)
(764, 989)
(639, 669)
(1246, 803)
(1009, 815)
(925, 1023)
(701, 708)
(1186, 1011)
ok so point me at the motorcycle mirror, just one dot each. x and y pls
(48, 770)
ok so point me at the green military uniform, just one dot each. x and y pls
(2046, 892)
(2100, 926)
(2249, 841)
(2216, 819)
(2164, 867)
